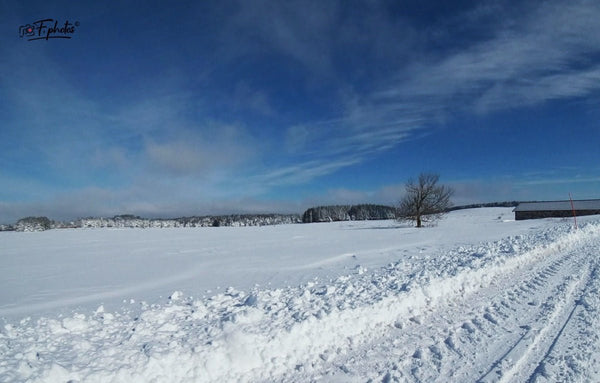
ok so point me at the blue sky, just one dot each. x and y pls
(217, 107)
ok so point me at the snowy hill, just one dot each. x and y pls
(479, 297)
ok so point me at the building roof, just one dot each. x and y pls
(590, 204)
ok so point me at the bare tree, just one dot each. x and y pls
(425, 200)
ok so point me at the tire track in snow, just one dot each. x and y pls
(496, 316)
(520, 296)
(578, 305)
(461, 339)
(521, 357)
(487, 320)
(539, 367)
(557, 301)
(575, 357)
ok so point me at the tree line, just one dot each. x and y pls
(132, 221)
(425, 200)
(348, 213)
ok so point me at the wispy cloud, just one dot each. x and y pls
(301, 172)
(302, 31)
(569, 180)
(202, 151)
(548, 54)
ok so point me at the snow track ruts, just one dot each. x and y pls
(541, 333)
(566, 358)
(511, 325)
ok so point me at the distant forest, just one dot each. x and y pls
(132, 221)
(348, 213)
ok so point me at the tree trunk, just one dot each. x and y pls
(418, 221)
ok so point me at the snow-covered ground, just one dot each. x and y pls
(479, 297)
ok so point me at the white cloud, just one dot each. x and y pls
(302, 172)
(547, 55)
(206, 150)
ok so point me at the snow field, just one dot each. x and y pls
(54, 272)
(496, 311)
